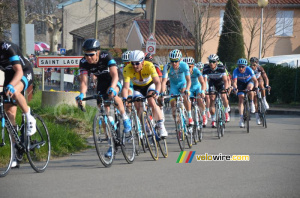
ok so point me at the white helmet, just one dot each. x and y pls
(175, 55)
(189, 60)
(213, 57)
(125, 56)
(136, 56)
(200, 65)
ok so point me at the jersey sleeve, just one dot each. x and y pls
(82, 69)
(152, 70)
(185, 68)
(235, 73)
(165, 71)
(126, 73)
(11, 53)
(250, 71)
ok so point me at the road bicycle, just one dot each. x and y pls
(148, 127)
(183, 131)
(246, 112)
(261, 109)
(198, 120)
(139, 134)
(36, 147)
(220, 113)
(108, 135)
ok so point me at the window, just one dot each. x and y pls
(284, 23)
(221, 21)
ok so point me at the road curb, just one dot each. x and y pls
(273, 111)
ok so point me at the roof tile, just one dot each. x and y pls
(167, 32)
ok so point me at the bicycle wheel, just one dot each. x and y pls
(162, 144)
(200, 129)
(6, 151)
(127, 143)
(137, 140)
(247, 114)
(189, 131)
(150, 136)
(196, 125)
(179, 130)
(222, 121)
(103, 140)
(39, 146)
(263, 114)
(218, 118)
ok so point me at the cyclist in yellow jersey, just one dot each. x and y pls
(145, 82)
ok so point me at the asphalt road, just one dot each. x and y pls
(273, 169)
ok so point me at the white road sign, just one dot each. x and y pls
(58, 61)
(151, 45)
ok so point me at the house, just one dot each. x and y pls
(281, 24)
(170, 34)
(79, 13)
(106, 36)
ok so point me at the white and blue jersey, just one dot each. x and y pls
(243, 77)
(195, 84)
(176, 77)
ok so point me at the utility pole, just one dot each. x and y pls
(22, 32)
(114, 23)
(96, 20)
(152, 17)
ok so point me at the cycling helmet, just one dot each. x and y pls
(125, 56)
(242, 61)
(189, 60)
(148, 57)
(90, 45)
(254, 59)
(200, 65)
(137, 56)
(213, 57)
(175, 55)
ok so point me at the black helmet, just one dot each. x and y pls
(254, 59)
(91, 44)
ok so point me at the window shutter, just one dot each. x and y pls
(279, 23)
(288, 23)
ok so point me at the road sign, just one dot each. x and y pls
(62, 51)
(151, 45)
(58, 61)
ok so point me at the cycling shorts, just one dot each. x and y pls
(195, 90)
(143, 90)
(27, 78)
(243, 86)
(216, 86)
(102, 88)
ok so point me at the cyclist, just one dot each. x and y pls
(244, 79)
(149, 57)
(217, 82)
(18, 74)
(207, 101)
(145, 82)
(180, 81)
(261, 76)
(104, 67)
(198, 85)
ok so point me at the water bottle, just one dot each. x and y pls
(112, 122)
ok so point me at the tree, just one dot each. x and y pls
(203, 26)
(8, 15)
(231, 43)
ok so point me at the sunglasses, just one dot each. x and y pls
(174, 61)
(242, 66)
(89, 54)
(135, 63)
(212, 61)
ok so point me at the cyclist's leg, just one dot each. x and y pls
(241, 95)
(251, 96)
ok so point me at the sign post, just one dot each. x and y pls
(61, 62)
(151, 45)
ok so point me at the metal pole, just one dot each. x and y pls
(96, 20)
(114, 23)
(153, 17)
(62, 83)
(22, 31)
(261, 32)
(296, 82)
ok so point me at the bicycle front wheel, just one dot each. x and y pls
(247, 113)
(179, 130)
(188, 130)
(38, 146)
(127, 144)
(218, 118)
(104, 142)
(6, 151)
(150, 136)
